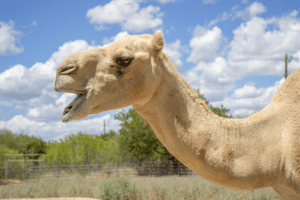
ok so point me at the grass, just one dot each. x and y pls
(130, 188)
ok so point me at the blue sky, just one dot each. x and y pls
(232, 50)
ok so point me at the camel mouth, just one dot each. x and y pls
(70, 110)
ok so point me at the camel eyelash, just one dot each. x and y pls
(124, 62)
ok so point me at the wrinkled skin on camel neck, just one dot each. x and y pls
(243, 154)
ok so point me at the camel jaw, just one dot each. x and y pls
(73, 108)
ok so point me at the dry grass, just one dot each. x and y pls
(135, 188)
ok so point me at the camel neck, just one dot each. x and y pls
(209, 145)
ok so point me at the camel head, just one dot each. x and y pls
(122, 74)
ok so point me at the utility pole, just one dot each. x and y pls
(285, 65)
(104, 126)
(286, 60)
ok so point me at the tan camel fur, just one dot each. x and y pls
(260, 151)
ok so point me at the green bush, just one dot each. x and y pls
(117, 189)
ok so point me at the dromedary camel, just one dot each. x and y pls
(260, 151)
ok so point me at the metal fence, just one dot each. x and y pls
(151, 168)
(26, 161)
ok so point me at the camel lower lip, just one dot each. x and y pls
(71, 108)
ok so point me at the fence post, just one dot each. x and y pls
(159, 169)
(117, 164)
(97, 164)
(89, 166)
(143, 168)
(57, 167)
(44, 165)
(6, 169)
(168, 165)
(25, 160)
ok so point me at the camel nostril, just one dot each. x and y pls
(68, 69)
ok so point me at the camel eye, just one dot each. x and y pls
(124, 62)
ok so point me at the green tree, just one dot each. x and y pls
(82, 149)
(137, 139)
(74, 150)
(5, 150)
(110, 135)
(36, 146)
(8, 139)
(20, 142)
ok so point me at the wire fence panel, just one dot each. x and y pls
(151, 168)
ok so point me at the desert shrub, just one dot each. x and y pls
(117, 189)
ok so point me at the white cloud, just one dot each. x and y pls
(173, 51)
(214, 78)
(64, 99)
(205, 44)
(57, 130)
(46, 97)
(9, 38)
(257, 48)
(166, 1)
(208, 1)
(293, 14)
(143, 20)
(248, 98)
(248, 91)
(127, 14)
(48, 106)
(19, 107)
(259, 45)
(257, 67)
(256, 8)
(225, 16)
(34, 23)
(44, 113)
(6, 103)
(253, 10)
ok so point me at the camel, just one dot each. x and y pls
(259, 151)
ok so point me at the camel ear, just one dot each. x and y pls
(157, 42)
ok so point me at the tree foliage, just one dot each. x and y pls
(110, 135)
(74, 149)
(82, 149)
(4, 150)
(20, 143)
(137, 139)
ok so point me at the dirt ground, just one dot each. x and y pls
(62, 198)
(9, 181)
